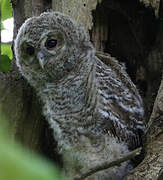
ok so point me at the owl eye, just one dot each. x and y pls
(30, 50)
(51, 43)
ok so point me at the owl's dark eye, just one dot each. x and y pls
(30, 50)
(51, 43)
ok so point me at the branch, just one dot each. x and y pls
(107, 165)
(151, 166)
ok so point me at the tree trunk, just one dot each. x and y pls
(152, 165)
(18, 101)
(125, 29)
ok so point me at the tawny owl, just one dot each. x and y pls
(94, 109)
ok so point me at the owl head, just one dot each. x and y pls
(49, 47)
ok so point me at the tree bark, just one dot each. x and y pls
(17, 100)
(152, 165)
(18, 103)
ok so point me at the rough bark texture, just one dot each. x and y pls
(80, 11)
(152, 165)
(154, 3)
(18, 102)
(125, 29)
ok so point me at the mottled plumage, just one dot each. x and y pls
(94, 109)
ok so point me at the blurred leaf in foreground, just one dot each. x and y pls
(5, 63)
(18, 164)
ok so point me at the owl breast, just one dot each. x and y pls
(95, 115)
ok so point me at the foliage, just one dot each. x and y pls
(6, 9)
(5, 61)
(17, 163)
(2, 27)
(6, 49)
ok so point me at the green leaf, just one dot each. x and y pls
(18, 163)
(6, 49)
(5, 63)
(6, 11)
(2, 27)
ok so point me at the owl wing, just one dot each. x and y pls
(120, 106)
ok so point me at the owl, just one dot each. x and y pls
(94, 109)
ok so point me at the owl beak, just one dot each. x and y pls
(41, 59)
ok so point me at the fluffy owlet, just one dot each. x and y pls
(94, 109)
